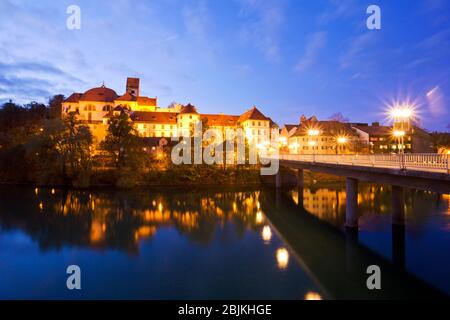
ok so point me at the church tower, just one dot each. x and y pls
(133, 86)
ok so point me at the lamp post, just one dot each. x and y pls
(400, 136)
(402, 115)
(311, 134)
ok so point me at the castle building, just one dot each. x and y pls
(95, 107)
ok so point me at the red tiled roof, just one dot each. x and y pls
(154, 117)
(126, 97)
(74, 97)
(189, 108)
(147, 101)
(102, 94)
(220, 120)
(252, 114)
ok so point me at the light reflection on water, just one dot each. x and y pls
(209, 244)
(216, 244)
(426, 241)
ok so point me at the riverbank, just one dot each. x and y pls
(183, 177)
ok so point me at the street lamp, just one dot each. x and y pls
(313, 133)
(340, 141)
(402, 114)
(400, 136)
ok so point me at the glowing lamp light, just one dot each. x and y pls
(266, 234)
(312, 143)
(402, 112)
(282, 258)
(313, 132)
(313, 296)
(399, 133)
(259, 217)
(342, 140)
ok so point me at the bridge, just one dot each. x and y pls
(429, 172)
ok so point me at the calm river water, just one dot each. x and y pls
(215, 244)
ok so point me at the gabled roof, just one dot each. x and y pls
(74, 97)
(126, 97)
(273, 124)
(220, 120)
(289, 127)
(146, 101)
(154, 117)
(252, 114)
(189, 108)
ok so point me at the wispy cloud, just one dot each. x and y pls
(338, 9)
(439, 39)
(263, 20)
(314, 43)
(357, 47)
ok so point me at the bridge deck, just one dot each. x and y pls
(419, 171)
(439, 163)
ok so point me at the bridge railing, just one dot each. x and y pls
(414, 161)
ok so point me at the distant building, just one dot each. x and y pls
(287, 131)
(312, 136)
(380, 139)
(96, 106)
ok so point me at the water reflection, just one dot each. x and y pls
(122, 220)
(282, 258)
(266, 234)
(200, 245)
(313, 296)
(373, 200)
(226, 239)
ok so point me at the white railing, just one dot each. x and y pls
(415, 161)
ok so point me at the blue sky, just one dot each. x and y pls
(288, 57)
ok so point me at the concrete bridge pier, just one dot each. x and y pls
(351, 210)
(398, 206)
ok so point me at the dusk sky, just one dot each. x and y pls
(312, 57)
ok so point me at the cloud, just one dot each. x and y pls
(358, 45)
(436, 102)
(263, 20)
(439, 39)
(26, 81)
(338, 9)
(314, 43)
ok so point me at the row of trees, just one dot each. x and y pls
(37, 146)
